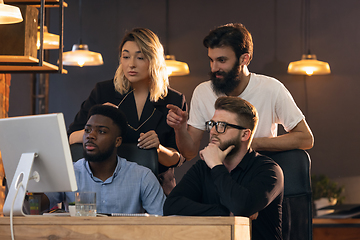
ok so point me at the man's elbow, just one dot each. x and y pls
(168, 209)
(190, 156)
(307, 142)
(189, 153)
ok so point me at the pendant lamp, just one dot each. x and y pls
(80, 54)
(173, 67)
(51, 41)
(176, 68)
(9, 14)
(308, 65)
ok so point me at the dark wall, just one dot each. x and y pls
(329, 102)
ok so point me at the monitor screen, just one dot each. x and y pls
(41, 142)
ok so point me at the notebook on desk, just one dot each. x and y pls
(132, 215)
(342, 211)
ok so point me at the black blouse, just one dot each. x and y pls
(153, 116)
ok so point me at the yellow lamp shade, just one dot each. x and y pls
(51, 41)
(176, 68)
(81, 56)
(309, 65)
(9, 14)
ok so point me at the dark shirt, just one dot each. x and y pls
(255, 185)
(153, 116)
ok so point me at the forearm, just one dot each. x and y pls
(179, 205)
(76, 137)
(168, 156)
(288, 141)
(188, 141)
(300, 137)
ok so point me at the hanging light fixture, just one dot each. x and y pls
(173, 67)
(9, 14)
(51, 41)
(80, 54)
(308, 65)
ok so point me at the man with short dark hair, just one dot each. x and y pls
(230, 50)
(120, 186)
(232, 179)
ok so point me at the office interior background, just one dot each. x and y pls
(328, 101)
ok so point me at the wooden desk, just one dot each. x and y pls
(339, 229)
(156, 228)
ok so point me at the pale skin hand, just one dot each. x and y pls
(252, 217)
(187, 137)
(176, 118)
(166, 156)
(148, 140)
(110, 104)
(213, 155)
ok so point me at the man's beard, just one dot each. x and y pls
(227, 84)
(235, 141)
(99, 157)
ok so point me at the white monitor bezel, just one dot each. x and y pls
(43, 139)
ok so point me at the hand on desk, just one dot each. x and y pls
(252, 217)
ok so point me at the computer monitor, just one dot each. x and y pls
(36, 156)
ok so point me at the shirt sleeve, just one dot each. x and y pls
(197, 109)
(55, 198)
(253, 196)
(186, 198)
(287, 112)
(152, 195)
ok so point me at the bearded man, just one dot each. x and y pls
(230, 50)
(121, 186)
(232, 179)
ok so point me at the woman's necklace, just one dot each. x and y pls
(136, 129)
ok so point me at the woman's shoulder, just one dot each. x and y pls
(105, 84)
(106, 89)
(174, 96)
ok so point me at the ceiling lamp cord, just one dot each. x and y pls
(308, 65)
(80, 54)
(173, 67)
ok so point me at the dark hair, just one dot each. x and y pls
(233, 35)
(246, 112)
(114, 113)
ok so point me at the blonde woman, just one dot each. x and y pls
(141, 90)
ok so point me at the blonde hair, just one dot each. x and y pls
(151, 47)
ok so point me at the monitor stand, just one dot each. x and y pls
(17, 190)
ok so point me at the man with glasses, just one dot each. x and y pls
(232, 179)
(230, 50)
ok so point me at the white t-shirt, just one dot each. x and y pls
(271, 99)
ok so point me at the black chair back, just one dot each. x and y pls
(144, 157)
(129, 151)
(297, 204)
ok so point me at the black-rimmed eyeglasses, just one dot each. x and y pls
(220, 127)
